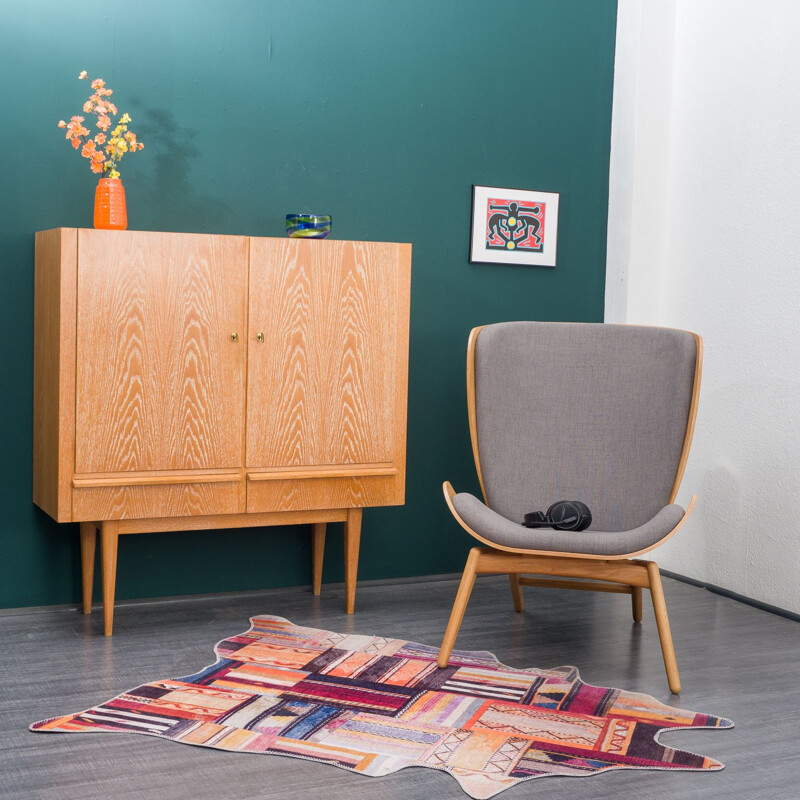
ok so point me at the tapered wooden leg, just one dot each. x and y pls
(88, 542)
(352, 540)
(636, 603)
(516, 591)
(664, 634)
(109, 536)
(317, 552)
(459, 607)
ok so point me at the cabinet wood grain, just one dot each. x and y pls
(160, 383)
(173, 500)
(55, 277)
(322, 383)
(188, 381)
(303, 494)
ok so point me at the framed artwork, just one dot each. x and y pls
(513, 226)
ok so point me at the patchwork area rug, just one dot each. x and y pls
(375, 705)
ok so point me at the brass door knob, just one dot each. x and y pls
(234, 337)
(260, 337)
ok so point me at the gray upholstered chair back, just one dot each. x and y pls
(587, 412)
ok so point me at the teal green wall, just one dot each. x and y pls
(380, 113)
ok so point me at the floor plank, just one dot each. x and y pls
(735, 661)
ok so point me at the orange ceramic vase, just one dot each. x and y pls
(109, 205)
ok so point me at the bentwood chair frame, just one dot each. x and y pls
(620, 573)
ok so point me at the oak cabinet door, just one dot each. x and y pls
(328, 330)
(160, 381)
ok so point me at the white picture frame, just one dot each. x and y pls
(513, 226)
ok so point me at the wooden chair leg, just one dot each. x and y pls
(109, 537)
(516, 591)
(88, 543)
(636, 603)
(459, 607)
(664, 633)
(352, 539)
(317, 553)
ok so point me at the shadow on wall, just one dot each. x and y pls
(721, 510)
(173, 149)
(744, 467)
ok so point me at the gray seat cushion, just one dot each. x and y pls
(498, 530)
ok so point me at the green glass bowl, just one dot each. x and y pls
(308, 226)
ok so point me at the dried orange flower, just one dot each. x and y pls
(121, 140)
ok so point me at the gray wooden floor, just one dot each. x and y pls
(735, 661)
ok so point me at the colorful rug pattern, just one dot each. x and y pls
(375, 705)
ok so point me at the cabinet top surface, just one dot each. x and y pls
(96, 231)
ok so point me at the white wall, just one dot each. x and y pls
(704, 234)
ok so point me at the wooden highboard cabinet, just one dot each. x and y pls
(196, 381)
